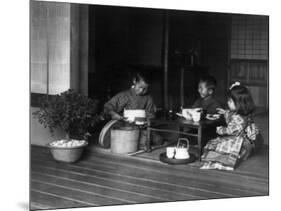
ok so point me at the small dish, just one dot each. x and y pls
(140, 123)
(212, 116)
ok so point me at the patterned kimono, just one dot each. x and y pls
(234, 143)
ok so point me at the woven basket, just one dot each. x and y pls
(67, 154)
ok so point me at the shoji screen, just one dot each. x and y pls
(249, 54)
(249, 49)
(249, 37)
(50, 47)
(38, 47)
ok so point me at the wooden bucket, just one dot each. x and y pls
(124, 140)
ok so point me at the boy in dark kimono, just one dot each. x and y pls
(207, 101)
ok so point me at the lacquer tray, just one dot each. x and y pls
(174, 161)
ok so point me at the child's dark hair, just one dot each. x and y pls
(242, 99)
(210, 81)
(141, 76)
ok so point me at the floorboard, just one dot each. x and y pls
(112, 189)
(100, 179)
(151, 177)
(48, 200)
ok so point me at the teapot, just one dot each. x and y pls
(181, 152)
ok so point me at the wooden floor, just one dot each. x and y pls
(100, 179)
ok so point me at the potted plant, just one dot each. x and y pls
(74, 114)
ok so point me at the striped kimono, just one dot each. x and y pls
(233, 144)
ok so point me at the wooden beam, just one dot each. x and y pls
(182, 87)
(48, 51)
(165, 60)
(74, 47)
(84, 51)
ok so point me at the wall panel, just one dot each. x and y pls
(38, 47)
(249, 54)
(50, 47)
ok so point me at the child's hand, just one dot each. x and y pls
(221, 111)
(219, 130)
(127, 120)
(116, 116)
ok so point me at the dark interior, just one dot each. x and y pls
(123, 39)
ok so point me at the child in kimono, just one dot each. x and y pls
(207, 101)
(237, 139)
(136, 97)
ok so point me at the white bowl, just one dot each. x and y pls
(191, 113)
(132, 114)
(186, 114)
(196, 117)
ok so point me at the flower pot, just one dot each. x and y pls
(67, 154)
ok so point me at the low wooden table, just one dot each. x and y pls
(153, 125)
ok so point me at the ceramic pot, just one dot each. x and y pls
(181, 152)
(67, 154)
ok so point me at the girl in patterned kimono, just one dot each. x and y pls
(237, 139)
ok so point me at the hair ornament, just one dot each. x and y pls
(237, 83)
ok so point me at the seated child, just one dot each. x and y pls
(207, 101)
(136, 97)
(238, 138)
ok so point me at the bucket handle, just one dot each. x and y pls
(183, 139)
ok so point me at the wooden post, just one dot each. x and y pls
(200, 140)
(48, 52)
(165, 59)
(182, 87)
(84, 48)
(148, 138)
(75, 48)
(228, 68)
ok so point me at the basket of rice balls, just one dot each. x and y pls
(67, 150)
